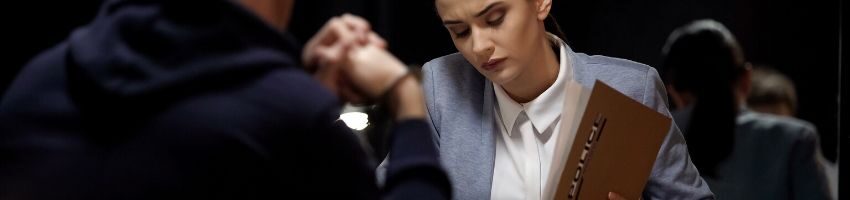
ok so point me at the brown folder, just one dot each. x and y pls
(608, 143)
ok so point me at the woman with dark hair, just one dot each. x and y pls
(495, 106)
(741, 154)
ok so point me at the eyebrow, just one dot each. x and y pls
(480, 13)
(487, 9)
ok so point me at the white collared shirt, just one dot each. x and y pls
(526, 141)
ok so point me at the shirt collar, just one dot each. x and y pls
(546, 108)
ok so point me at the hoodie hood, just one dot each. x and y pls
(146, 53)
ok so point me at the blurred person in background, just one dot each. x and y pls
(774, 93)
(185, 99)
(740, 153)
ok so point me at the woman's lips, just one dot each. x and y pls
(492, 64)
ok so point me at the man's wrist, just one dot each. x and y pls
(406, 100)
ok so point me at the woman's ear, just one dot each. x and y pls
(543, 8)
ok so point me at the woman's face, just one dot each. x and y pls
(501, 38)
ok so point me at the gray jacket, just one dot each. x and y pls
(460, 105)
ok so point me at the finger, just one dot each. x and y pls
(334, 32)
(342, 31)
(333, 55)
(345, 37)
(321, 37)
(615, 196)
(334, 43)
(376, 40)
(356, 22)
(359, 26)
(330, 31)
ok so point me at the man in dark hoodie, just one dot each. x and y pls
(168, 99)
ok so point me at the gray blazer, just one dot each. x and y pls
(460, 106)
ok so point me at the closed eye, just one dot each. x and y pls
(463, 33)
(458, 30)
(496, 22)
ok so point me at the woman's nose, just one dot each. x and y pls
(482, 45)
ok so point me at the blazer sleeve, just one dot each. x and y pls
(673, 175)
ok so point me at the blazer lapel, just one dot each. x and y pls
(470, 152)
(488, 139)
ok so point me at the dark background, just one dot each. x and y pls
(799, 38)
(844, 178)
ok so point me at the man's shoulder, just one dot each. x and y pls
(40, 81)
(777, 126)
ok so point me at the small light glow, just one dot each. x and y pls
(355, 120)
